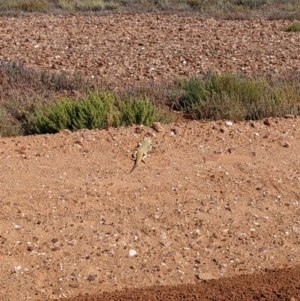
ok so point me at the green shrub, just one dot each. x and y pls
(166, 116)
(34, 5)
(137, 111)
(25, 5)
(236, 97)
(194, 98)
(96, 111)
(83, 5)
(30, 99)
(293, 27)
(159, 94)
(24, 90)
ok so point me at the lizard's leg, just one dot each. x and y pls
(133, 156)
(145, 155)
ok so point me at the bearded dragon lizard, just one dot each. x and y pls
(141, 152)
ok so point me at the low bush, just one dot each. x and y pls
(15, 76)
(25, 5)
(293, 27)
(24, 90)
(252, 4)
(228, 96)
(9, 126)
(92, 5)
(212, 7)
(98, 110)
(45, 102)
(137, 111)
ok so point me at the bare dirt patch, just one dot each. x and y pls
(208, 204)
(213, 201)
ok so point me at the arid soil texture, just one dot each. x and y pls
(142, 47)
(214, 200)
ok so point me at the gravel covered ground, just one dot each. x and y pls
(214, 200)
(149, 46)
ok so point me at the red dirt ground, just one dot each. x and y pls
(214, 200)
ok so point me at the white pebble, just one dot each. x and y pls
(132, 252)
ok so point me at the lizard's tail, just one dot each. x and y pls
(137, 161)
(133, 168)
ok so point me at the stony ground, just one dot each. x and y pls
(214, 200)
(149, 46)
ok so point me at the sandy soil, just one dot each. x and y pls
(214, 200)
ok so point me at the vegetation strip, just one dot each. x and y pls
(36, 102)
(273, 7)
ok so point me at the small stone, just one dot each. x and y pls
(30, 248)
(91, 277)
(224, 231)
(56, 291)
(73, 277)
(54, 240)
(55, 248)
(66, 132)
(267, 122)
(228, 123)
(230, 150)
(74, 284)
(286, 144)
(72, 242)
(163, 239)
(157, 127)
(205, 276)
(85, 135)
(138, 130)
(262, 249)
(17, 268)
(174, 132)
(267, 135)
(132, 252)
(195, 234)
(289, 116)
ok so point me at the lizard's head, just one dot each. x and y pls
(147, 139)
